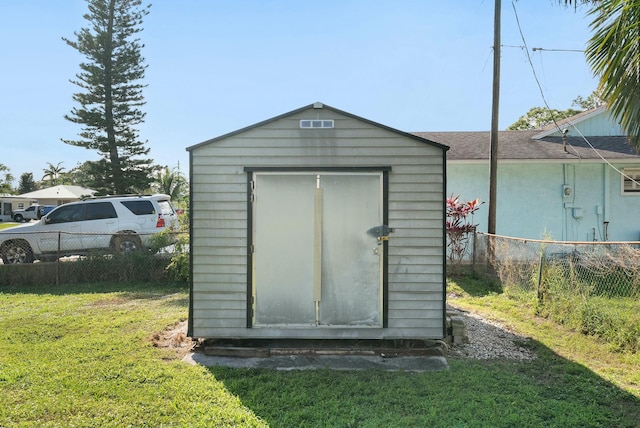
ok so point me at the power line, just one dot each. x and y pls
(541, 49)
(557, 50)
(551, 112)
(600, 156)
(533, 69)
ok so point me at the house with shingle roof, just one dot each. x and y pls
(577, 180)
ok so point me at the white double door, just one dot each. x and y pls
(315, 260)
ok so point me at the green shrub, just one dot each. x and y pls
(161, 240)
(135, 266)
(614, 320)
(566, 299)
(178, 268)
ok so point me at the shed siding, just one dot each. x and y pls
(219, 221)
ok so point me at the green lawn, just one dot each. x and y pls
(519, 311)
(83, 356)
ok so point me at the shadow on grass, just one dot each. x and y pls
(549, 391)
(475, 284)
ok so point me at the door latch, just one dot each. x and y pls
(381, 233)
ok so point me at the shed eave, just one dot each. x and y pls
(315, 106)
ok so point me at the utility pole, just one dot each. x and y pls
(493, 170)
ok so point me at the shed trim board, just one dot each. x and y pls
(444, 242)
(410, 174)
(191, 220)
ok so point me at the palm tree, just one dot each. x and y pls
(614, 55)
(53, 173)
(577, 2)
(170, 182)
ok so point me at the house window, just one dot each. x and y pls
(316, 123)
(631, 181)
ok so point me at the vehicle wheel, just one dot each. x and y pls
(16, 252)
(126, 243)
(18, 218)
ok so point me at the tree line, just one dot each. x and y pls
(539, 117)
(170, 181)
(109, 102)
(111, 96)
(110, 92)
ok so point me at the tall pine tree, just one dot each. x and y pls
(111, 95)
(27, 184)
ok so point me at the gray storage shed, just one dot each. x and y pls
(317, 224)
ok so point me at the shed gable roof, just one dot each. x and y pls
(319, 105)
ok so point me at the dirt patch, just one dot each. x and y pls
(175, 339)
(116, 301)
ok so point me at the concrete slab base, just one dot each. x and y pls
(333, 362)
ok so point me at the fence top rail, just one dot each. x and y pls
(547, 241)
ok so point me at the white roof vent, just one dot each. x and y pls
(316, 123)
(318, 105)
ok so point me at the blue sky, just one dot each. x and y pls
(215, 66)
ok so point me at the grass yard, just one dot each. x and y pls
(622, 368)
(83, 355)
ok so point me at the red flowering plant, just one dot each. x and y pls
(460, 226)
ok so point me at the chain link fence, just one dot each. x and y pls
(590, 287)
(608, 269)
(66, 257)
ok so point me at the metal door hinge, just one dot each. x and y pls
(252, 196)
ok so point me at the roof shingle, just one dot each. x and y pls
(519, 145)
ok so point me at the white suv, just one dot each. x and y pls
(117, 224)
